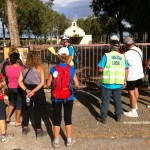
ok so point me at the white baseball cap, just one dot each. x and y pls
(114, 37)
(63, 50)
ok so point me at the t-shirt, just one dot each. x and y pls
(12, 74)
(71, 52)
(102, 64)
(134, 60)
(72, 73)
(33, 76)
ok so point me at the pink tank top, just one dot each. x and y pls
(12, 74)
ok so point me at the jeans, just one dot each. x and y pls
(106, 94)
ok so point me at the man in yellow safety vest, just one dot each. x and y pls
(114, 69)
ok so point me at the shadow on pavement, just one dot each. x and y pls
(88, 100)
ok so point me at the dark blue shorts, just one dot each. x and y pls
(2, 110)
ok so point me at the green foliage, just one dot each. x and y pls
(135, 12)
(92, 25)
(36, 18)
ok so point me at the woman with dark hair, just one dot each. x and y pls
(15, 92)
(31, 80)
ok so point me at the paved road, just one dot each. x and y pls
(129, 134)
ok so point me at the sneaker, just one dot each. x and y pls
(148, 106)
(102, 120)
(25, 131)
(7, 137)
(55, 145)
(130, 114)
(71, 143)
(118, 119)
(7, 121)
(148, 88)
(40, 133)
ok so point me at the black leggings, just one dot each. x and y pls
(38, 102)
(27, 114)
(57, 112)
(15, 97)
(2, 110)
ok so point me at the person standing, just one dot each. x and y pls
(134, 58)
(65, 42)
(3, 128)
(114, 69)
(15, 92)
(31, 80)
(148, 67)
(60, 98)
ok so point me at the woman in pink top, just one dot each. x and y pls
(12, 73)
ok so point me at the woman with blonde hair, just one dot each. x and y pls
(31, 80)
(61, 78)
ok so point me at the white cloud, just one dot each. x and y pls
(59, 3)
(73, 8)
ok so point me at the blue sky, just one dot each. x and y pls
(70, 8)
(73, 8)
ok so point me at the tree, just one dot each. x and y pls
(92, 25)
(139, 20)
(134, 12)
(37, 18)
(3, 16)
(12, 22)
(113, 9)
(34, 17)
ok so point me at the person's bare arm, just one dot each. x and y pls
(76, 82)
(148, 63)
(69, 59)
(49, 81)
(20, 81)
(101, 70)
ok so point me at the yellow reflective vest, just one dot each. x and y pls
(114, 70)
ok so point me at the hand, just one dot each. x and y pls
(124, 85)
(30, 94)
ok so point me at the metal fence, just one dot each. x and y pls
(90, 55)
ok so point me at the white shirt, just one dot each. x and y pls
(135, 70)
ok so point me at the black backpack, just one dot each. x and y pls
(76, 54)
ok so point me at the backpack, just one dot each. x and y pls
(61, 83)
(76, 54)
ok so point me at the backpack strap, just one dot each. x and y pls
(26, 75)
(138, 53)
(58, 67)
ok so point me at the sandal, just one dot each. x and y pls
(17, 124)
(7, 121)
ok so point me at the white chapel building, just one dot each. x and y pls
(77, 35)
